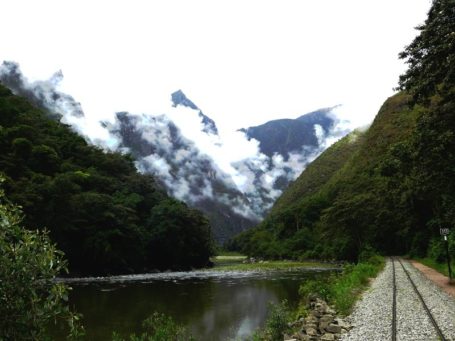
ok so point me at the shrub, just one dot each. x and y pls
(436, 250)
(277, 322)
(29, 297)
(158, 327)
(315, 287)
(342, 290)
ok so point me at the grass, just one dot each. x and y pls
(275, 325)
(439, 267)
(235, 263)
(229, 253)
(346, 290)
(343, 290)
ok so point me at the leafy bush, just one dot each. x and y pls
(315, 287)
(29, 297)
(103, 214)
(366, 254)
(276, 324)
(342, 290)
(436, 250)
(158, 327)
(347, 287)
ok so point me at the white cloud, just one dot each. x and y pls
(246, 62)
(243, 62)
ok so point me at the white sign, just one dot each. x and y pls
(444, 232)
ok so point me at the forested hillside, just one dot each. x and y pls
(100, 211)
(390, 189)
(320, 171)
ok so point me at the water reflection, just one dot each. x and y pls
(212, 308)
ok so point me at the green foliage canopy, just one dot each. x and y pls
(431, 55)
(105, 216)
(29, 262)
(396, 187)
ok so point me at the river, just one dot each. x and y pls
(213, 305)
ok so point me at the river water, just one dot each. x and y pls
(213, 305)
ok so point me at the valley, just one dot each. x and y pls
(148, 217)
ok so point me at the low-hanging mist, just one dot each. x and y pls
(234, 177)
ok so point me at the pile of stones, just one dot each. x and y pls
(321, 324)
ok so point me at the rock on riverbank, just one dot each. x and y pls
(321, 324)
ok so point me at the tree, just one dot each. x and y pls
(98, 208)
(431, 80)
(29, 297)
(178, 235)
(431, 56)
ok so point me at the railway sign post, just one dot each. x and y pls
(445, 232)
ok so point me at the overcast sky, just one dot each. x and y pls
(242, 61)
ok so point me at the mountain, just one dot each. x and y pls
(179, 98)
(389, 190)
(305, 137)
(187, 156)
(319, 172)
(370, 190)
(291, 135)
(183, 171)
(160, 149)
(43, 94)
(103, 214)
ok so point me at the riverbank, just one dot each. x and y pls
(223, 266)
(325, 304)
(235, 303)
(239, 270)
(243, 263)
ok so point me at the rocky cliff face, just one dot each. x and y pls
(305, 136)
(159, 148)
(179, 98)
(184, 150)
(291, 135)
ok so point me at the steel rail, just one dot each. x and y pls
(427, 310)
(394, 304)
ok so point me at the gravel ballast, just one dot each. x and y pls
(372, 314)
(441, 305)
(413, 322)
(370, 317)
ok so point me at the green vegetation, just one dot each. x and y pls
(29, 298)
(228, 253)
(105, 216)
(319, 171)
(276, 324)
(221, 261)
(343, 290)
(266, 265)
(235, 261)
(158, 327)
(391, 189)
(340, 217)
(340, 290)
(430, 56)
(438, 266)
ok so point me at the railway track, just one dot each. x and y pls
(430, 316)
